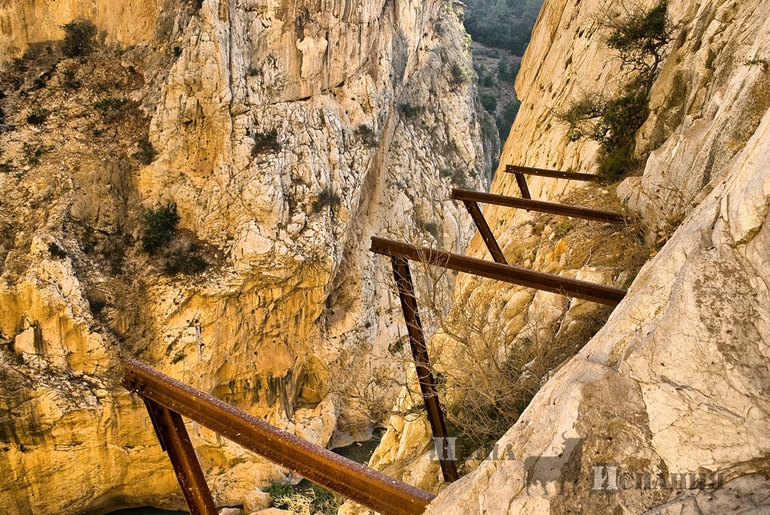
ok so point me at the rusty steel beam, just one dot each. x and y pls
(555, 174)
(405, 286)
(507, 273)
(484, 230)
(523, 186)
(175, 441)
(321, 466)
(553, 208)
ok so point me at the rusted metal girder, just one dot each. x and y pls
(506, 273)
(483, 227)
(174, 440)
(403, 278)
(541, 206)
(346, 477)
(523, 186)
(555, 174)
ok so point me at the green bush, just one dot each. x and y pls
(69, 79)
(278, 491)
(621, 118)
(488, 80)
(507, 71)
(616, 162)
(110, 105)
(460, 74)
(78, 38)
(755, 62)
(503, 24)
(488, 128)
(367, 135)
(31, 154)
(640, 38)
(56, 251)
(489, 101)
(159, 227)
(410, 111)
(325, 501)
(457, 177)
(506, 119)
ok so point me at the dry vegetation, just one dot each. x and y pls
(494, 345)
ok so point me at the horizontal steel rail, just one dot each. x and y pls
(321, 466)
(555, 174)
(506, 273)
(541, 206)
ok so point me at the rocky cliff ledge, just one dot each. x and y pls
(677, 380)
(284, 135)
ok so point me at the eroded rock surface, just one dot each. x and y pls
(674, 383)
(286, 135)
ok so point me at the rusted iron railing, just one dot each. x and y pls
(521, 171)
(506, 273)
(481, 224)
(403, 278)
(471, 199)
(554, 208)
(168, 400)
(402, 253)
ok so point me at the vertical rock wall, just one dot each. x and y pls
(675, 383)
(369, 131)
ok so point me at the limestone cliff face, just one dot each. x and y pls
(676, 382)
(287, 134)
(685, 353)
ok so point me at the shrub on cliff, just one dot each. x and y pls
(146, 153)
(78, 38)
(489, 101)
(326, 198)
(460, 74)
(184, 260)
(38, 116)
(159, 226)
(640, 39)
(265, 143)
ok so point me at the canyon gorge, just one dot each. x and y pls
(279, 137)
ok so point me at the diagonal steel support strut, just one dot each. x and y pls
(169, 400)
(484, 230)
(445, 453)
(175, 441)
